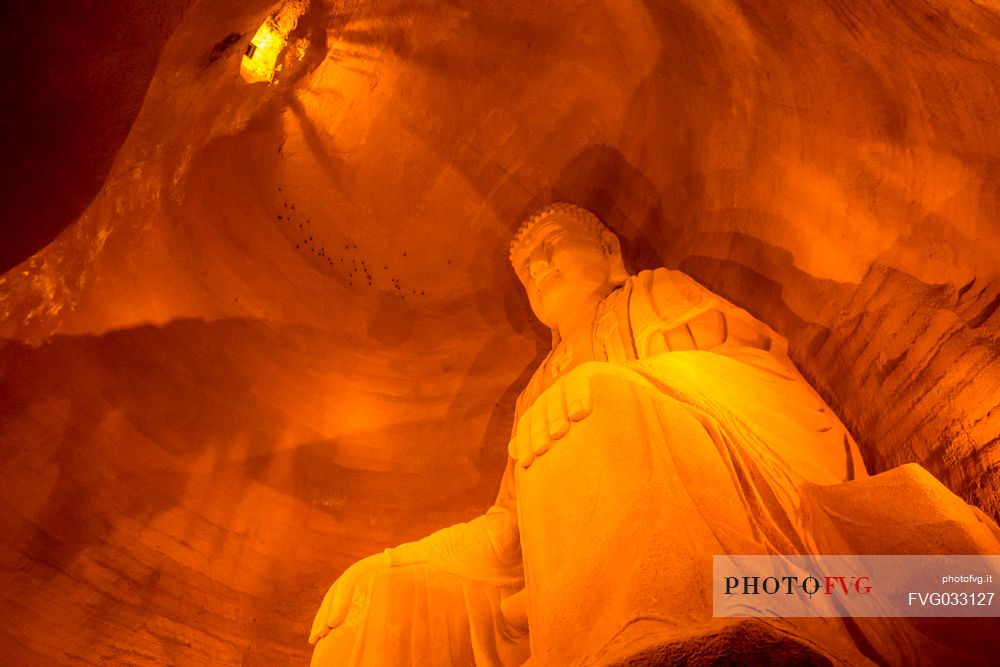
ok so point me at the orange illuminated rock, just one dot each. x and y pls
(665, 426)
(286, 318)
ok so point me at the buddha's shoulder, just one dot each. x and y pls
(664, 287)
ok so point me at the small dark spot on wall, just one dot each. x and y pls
(221, 47)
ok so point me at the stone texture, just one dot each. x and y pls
(205, 415)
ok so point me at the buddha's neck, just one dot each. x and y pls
(578, 322)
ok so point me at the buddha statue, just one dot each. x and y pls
(666, 425)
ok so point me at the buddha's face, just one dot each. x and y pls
(564, 268)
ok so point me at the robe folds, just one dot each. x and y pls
(703, 439)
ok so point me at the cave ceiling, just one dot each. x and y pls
(284, 334)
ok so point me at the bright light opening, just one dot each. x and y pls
(260, 60)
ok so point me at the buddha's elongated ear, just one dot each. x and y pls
(613, 251)
(610, 243)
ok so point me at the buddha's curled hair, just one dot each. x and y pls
(586, 218)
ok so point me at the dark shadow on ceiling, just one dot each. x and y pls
(78, 73)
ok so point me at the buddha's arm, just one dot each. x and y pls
(485, 550)
(670, 312)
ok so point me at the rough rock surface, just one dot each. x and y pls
(284, 335)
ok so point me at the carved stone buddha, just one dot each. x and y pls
(666, 425)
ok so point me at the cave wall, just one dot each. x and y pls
(75, 81)
(284, 335)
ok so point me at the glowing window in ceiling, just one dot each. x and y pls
(260, 60)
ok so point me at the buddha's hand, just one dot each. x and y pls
(338, 600)
(551, 416)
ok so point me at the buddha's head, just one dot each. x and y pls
(567, 260)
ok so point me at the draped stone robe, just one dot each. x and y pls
(704, 439)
